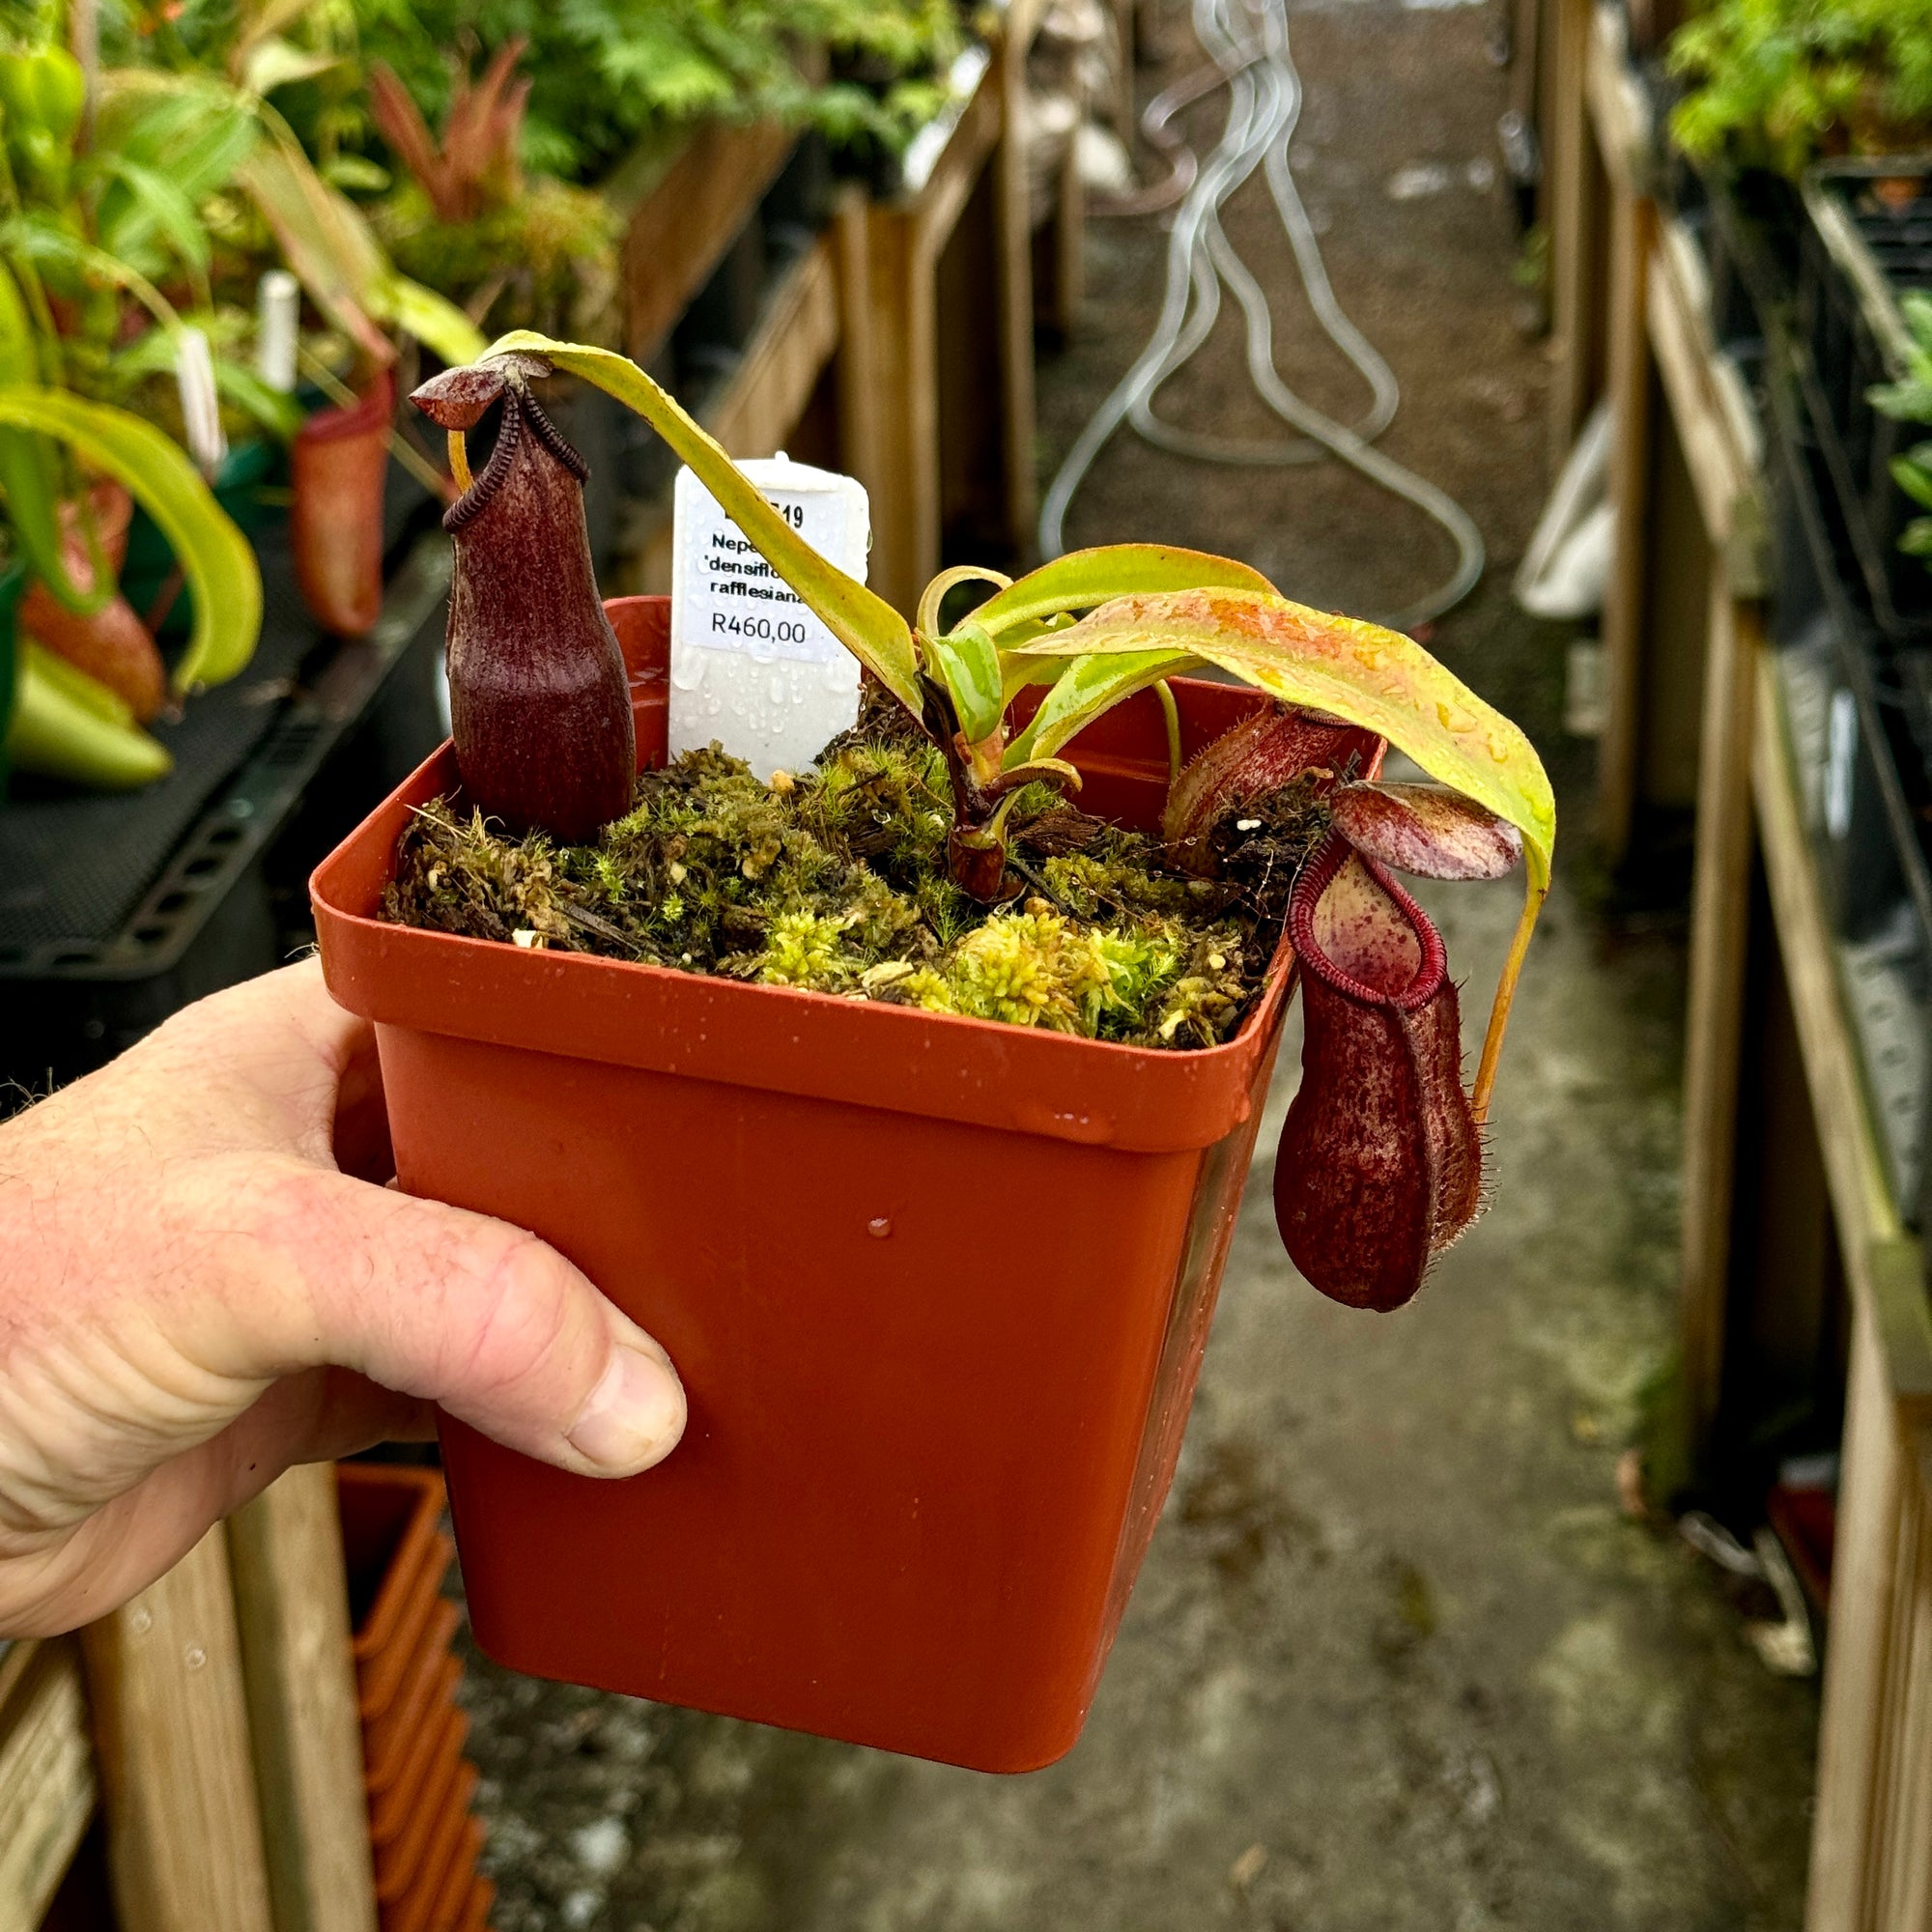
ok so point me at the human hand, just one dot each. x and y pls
(203, 1282)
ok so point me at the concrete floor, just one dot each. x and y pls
(1398, 1662)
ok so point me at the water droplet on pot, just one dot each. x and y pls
(194, 1657)
(778, 688)
(879, 1227)
(687, 671)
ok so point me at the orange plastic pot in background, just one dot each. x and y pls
(110, 645)
(418, 1782)
(938, 1289)
(338, 464)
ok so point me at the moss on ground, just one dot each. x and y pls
(835, 881)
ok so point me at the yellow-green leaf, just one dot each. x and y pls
(971, 667)
(1374, 677)
(214, 556)
(1089, 687)
(1085, 578)
(435, 322)
(67, 725)
(865, 623)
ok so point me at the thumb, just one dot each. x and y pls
(481, 1318)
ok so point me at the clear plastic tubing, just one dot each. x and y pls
(1247, 41)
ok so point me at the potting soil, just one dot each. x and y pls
(835, 881)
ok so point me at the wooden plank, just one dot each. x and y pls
(1895, 1271)
(1572, 216)
(1721, 927)
(46, 1778)
(814, 312)
(171, 1735)
(1619, 109)
(794, 340)
(686, 213)
(1909, 1809)
(1703, 404)
(1013, 243)
(1632, 223)
(1126, 43)
(906, 494)
(1861, 1193)
(292, 1607)
(1067, 239)
(1886, 1871)
(903, 243)
(1850, 1728)
(858, 374)
(15, 1654)
(934, 211)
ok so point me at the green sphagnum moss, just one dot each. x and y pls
(835, 882)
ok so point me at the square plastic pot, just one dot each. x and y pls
(436, 1894)
(938, 1289)
(417, 1756)
(397, 1823)
(428, 1684)
(414, 1852)
(476, 1905)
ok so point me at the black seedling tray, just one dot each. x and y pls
(115, 911)
(1860, 730)
(1859, 254)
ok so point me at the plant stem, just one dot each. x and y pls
(1172, 713)
(1499, 1007)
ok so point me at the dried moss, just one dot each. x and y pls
(835, 882)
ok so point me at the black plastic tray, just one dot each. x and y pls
(1859, 254)
(1860, 729)
(116, 911)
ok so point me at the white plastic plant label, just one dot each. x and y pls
(751, 667)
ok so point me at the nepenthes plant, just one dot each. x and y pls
(1380, 1164)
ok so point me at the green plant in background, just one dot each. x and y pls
(1910, 400)
(1776, 83)
(603, 74)
(126, 232)
(63, 723)
(186, 186)
(606, 72)
(520, 250)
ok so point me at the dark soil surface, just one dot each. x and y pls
(1399, 1660)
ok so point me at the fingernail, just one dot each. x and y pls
(635, 1414)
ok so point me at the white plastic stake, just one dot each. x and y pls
(277, 318)
(201, 405)
(750, 668)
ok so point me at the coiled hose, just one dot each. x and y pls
(1248, 44)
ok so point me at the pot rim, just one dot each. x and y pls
(656, 1018)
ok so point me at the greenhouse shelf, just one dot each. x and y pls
(1860, 253)
(116, 911)
(1859, 734)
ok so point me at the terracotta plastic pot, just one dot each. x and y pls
(419, 1785)
(477, 1907)
(389, 1729)
(415, 1855)
(450, 1869)
(431, 1762)
(111, 644)
(938, 1289)
(392, 1781)
(338, 463)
